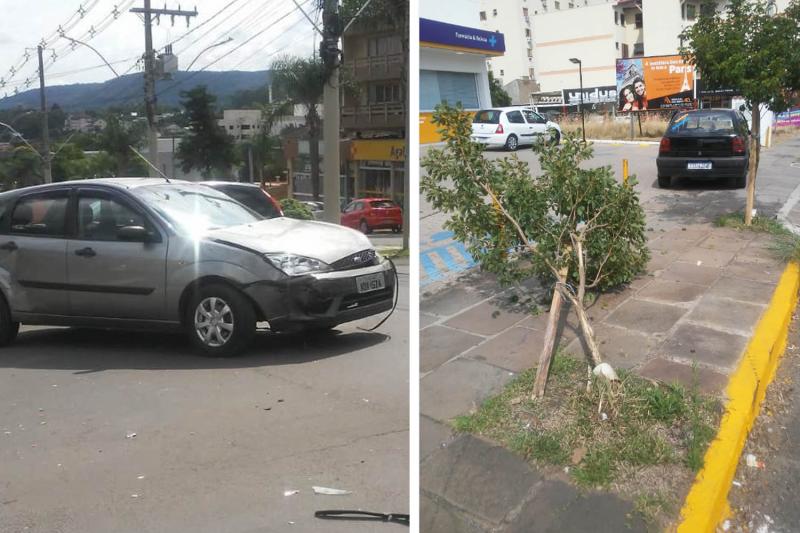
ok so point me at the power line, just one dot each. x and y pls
(215, 15)
(259, 9)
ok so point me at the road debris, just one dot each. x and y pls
(291, 492)
(130, 435)
(331, 492)
(753, 462)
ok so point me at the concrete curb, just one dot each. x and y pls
(706, 504)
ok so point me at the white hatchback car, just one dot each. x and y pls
(512, 127)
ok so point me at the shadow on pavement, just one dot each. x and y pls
(87, 350)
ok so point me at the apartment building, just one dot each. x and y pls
(374, 112)
(452, 60)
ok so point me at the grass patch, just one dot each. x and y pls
(785, 245)
(605, 436)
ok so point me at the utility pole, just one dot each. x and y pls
(331, 57)
(48, 171)
(150, 75)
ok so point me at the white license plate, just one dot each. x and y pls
(698, 165)
(370, 282)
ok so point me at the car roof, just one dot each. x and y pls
(508, 108)
(119, 183)
(223, 183)
(374, 199)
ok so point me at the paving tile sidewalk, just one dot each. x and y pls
(699, 302)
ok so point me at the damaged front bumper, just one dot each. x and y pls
(325, 299)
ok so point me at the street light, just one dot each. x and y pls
(577, 61)
(93, 49)
(203, 51)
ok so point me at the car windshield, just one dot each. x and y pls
(701, 123)
(487, 116)
(194, 207)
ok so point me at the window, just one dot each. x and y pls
(40, 215)
(502, 72)
(622, 19)
(488, 116)
(254, 198)
(436, 87)
(515, 117)
(557, 5)
(383, 93)
(616, 17)
(527, 32)
(617, 45)
(525, 11)
(494, 12)
(690, 11)
(625, 51)
(707, 9)
(638, 49)
(532, 118)
(530, 53)
(483, 15)
(100, 218)
(386, 45)
(638, 20)
(245, 126)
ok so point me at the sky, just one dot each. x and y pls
(276, 27)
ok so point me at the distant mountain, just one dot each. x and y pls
(129, 90)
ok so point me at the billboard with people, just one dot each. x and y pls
(657, 82)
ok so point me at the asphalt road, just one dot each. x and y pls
(442, 260)
(218, 441)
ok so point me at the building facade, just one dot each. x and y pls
(374, 114)
(453, 54)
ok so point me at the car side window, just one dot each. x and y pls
(533, 118)
(350, 208)
(43, 215)
(515, 117)
(100, 217)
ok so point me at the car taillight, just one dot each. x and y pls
(499, 129)
(665, 146)
(737, 146)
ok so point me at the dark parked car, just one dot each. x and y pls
(251, 195)
(705, 144)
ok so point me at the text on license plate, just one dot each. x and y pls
(370, 282)
(698, 165)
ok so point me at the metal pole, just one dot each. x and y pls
(583, 121)
(48, 171)
(150, 91)
(330, 101)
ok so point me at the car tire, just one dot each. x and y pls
(512, 143)
(364, 227)
(8, 328)
(555, 140)
(220, 304)
(664, 182)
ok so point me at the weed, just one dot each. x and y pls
(597, 468)
(643, 448)
(652, 504)
(758, 224)
(545, 448)
(666, 403)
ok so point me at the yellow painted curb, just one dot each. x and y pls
(706, 504)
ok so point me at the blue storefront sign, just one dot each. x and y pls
(435, 32)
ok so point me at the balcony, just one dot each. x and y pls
(375, 68)
(373, 116)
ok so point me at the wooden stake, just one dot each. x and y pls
(546, 357)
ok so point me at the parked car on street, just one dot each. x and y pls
(317, 209)
(512, 127)
(368, 214)
(249, 194)
(150, 253)
(705, 144)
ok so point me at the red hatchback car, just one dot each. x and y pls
(367, 214)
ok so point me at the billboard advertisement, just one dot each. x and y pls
(591, 95)
(658, 82)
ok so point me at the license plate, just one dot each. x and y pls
(698, 165)
(370, 282)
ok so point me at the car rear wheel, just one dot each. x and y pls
(664, 182)
(221, 322)
(364, 227)
(8, 328)
(512, 143)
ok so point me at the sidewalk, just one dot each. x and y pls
(704, 292)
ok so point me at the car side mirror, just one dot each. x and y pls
(742, 108)
(133, 234)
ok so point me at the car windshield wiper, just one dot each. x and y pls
(395, 518)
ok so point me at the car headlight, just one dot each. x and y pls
(297, 265)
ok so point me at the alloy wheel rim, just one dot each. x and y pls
(512, 142)
(213, 322)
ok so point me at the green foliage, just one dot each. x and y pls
(207, 147)
(666, 403)
(746, 48)
(296, 209)
(500, 97)
(379, 13)
(22, 169)
(597, 468)
(70, 162)
(116, 140)
(565, 201)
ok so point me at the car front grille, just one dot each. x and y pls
(361, 259)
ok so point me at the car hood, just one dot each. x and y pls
(319, 240)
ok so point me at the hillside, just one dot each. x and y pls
(128, 90)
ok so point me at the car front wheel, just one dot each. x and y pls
(364, 227)
(221, 321)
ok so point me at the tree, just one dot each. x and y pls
(22, 169)
(207, 147)
(500, 97)
(302, 82)
(746, 48)
(116, 139)
(574, 227)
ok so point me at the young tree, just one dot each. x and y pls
(302, 81)
(116, 139)
(207, 147)
(500, 97)
(574, 227)
(756, 52)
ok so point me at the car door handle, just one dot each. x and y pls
(86, 252)
(10, 246)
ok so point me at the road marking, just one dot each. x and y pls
(443, 261)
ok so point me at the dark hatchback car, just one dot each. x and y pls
(705, 144)
(250, 195)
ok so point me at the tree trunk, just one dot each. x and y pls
(546, 356)
(755, 148)
(588, 332)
